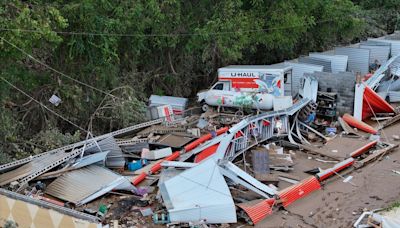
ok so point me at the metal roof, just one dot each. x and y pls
(299, 190)
(257, 210)
(83, 185)
(114, 157)
(35, 166)
(175, 102)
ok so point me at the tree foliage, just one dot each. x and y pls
(132, 49)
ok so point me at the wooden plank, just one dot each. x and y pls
(377, 154)
(389, 122)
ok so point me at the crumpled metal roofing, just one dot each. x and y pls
(299, 190)
(83, 185)
(257, 210)
(115, 158)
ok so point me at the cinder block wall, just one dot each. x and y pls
(342, 83)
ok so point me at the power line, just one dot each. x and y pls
(56, 71)
(84, 33)
(44, 106)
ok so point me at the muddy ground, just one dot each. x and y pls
(339, 204)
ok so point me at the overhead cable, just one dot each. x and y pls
(56, 71)
(44, 106)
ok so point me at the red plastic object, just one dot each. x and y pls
(257, 211)
(323, 175)
(372, 100)
(156, 167)
(204, 138)
(206, 153)
(358, 124)
(363, 149)
(299, 190)
(139, 179)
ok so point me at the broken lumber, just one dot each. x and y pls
(375, 155)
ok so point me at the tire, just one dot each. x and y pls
(205, 107)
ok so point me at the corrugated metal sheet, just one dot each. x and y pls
(317, 61)
(260, 160)
(378, 51)
(338, 62)
(395, 45)
(298, 71)
(36, 166)
(298, 191)
(115, 157)
(358, 58)
(85, 184)
(177, 103)
(257, 210)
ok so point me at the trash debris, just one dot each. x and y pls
(156, 154)
(228, 164)
(55, 100)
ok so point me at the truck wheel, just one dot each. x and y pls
(239, 114)
(205, 107)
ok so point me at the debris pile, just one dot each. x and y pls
(202, 166)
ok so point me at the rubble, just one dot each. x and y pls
(216, 167)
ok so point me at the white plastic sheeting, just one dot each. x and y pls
(338, 62)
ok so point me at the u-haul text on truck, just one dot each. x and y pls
(254, 86)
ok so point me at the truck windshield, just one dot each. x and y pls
(218, 86)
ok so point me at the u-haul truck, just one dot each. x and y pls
(254, 86)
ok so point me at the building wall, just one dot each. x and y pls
(25, 214)
(342, 83)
